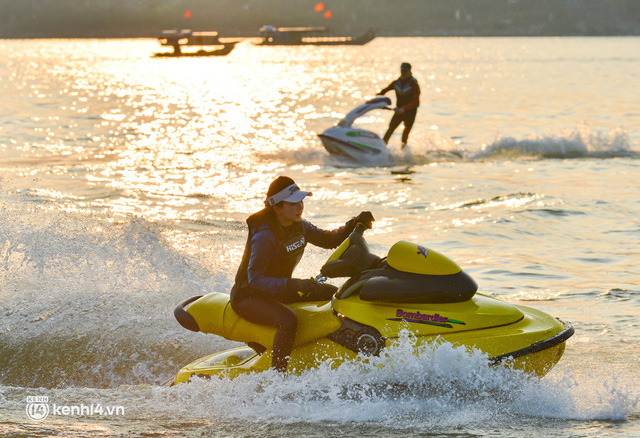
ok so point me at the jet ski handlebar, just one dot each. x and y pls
(378, 102)
(359, 229)
(352, 257)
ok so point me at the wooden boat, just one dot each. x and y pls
(302, 36)
(184, 38)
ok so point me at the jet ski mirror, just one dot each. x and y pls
(351, 258)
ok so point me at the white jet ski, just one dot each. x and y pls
(355, 143)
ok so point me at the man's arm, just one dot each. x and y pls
(387, 88)
(327, 239)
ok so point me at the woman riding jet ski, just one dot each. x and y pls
(413, 288)
(276, 242)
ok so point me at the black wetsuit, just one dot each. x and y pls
(270, 256)
(407, 98)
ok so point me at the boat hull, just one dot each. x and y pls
(284, 38)
(223, 51)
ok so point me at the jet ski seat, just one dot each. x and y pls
(387, 284)
(410, 273)
(415, 274)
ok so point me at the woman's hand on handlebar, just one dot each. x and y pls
(303, 287)
(309, 289)
(365, 218)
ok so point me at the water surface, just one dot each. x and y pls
(125, 181)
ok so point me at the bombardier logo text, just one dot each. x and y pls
(425, 318)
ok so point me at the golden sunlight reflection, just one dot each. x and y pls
(511, 202)
(199, 140)
(462, 222)
(383, 225)
(538, 295)
(67, 428)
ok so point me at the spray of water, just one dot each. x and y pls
(582, 142)
(408, 386)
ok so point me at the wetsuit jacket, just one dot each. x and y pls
(273, 251)
(407, 95)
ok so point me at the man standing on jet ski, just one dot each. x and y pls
(407, 103)
(276, 242)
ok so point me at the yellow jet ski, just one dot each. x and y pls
(413, 288)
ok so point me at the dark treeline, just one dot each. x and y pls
(242, 18)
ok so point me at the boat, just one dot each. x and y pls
(178, 39)
(413, 288)
(354, 143)
(309, 36)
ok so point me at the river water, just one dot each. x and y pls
(125, 181)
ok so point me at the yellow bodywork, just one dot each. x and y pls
(243, 360)
(214, 314)
(483, 323)
(416, 259)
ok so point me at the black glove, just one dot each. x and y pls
(366, 219)
(303, 288)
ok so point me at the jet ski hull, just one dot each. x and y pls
(240, 361)
(354, 150)
(534, 343)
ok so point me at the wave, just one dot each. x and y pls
(89, 302)
(429, 387)
(435, 148)
(582, 142)
(408, 386)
